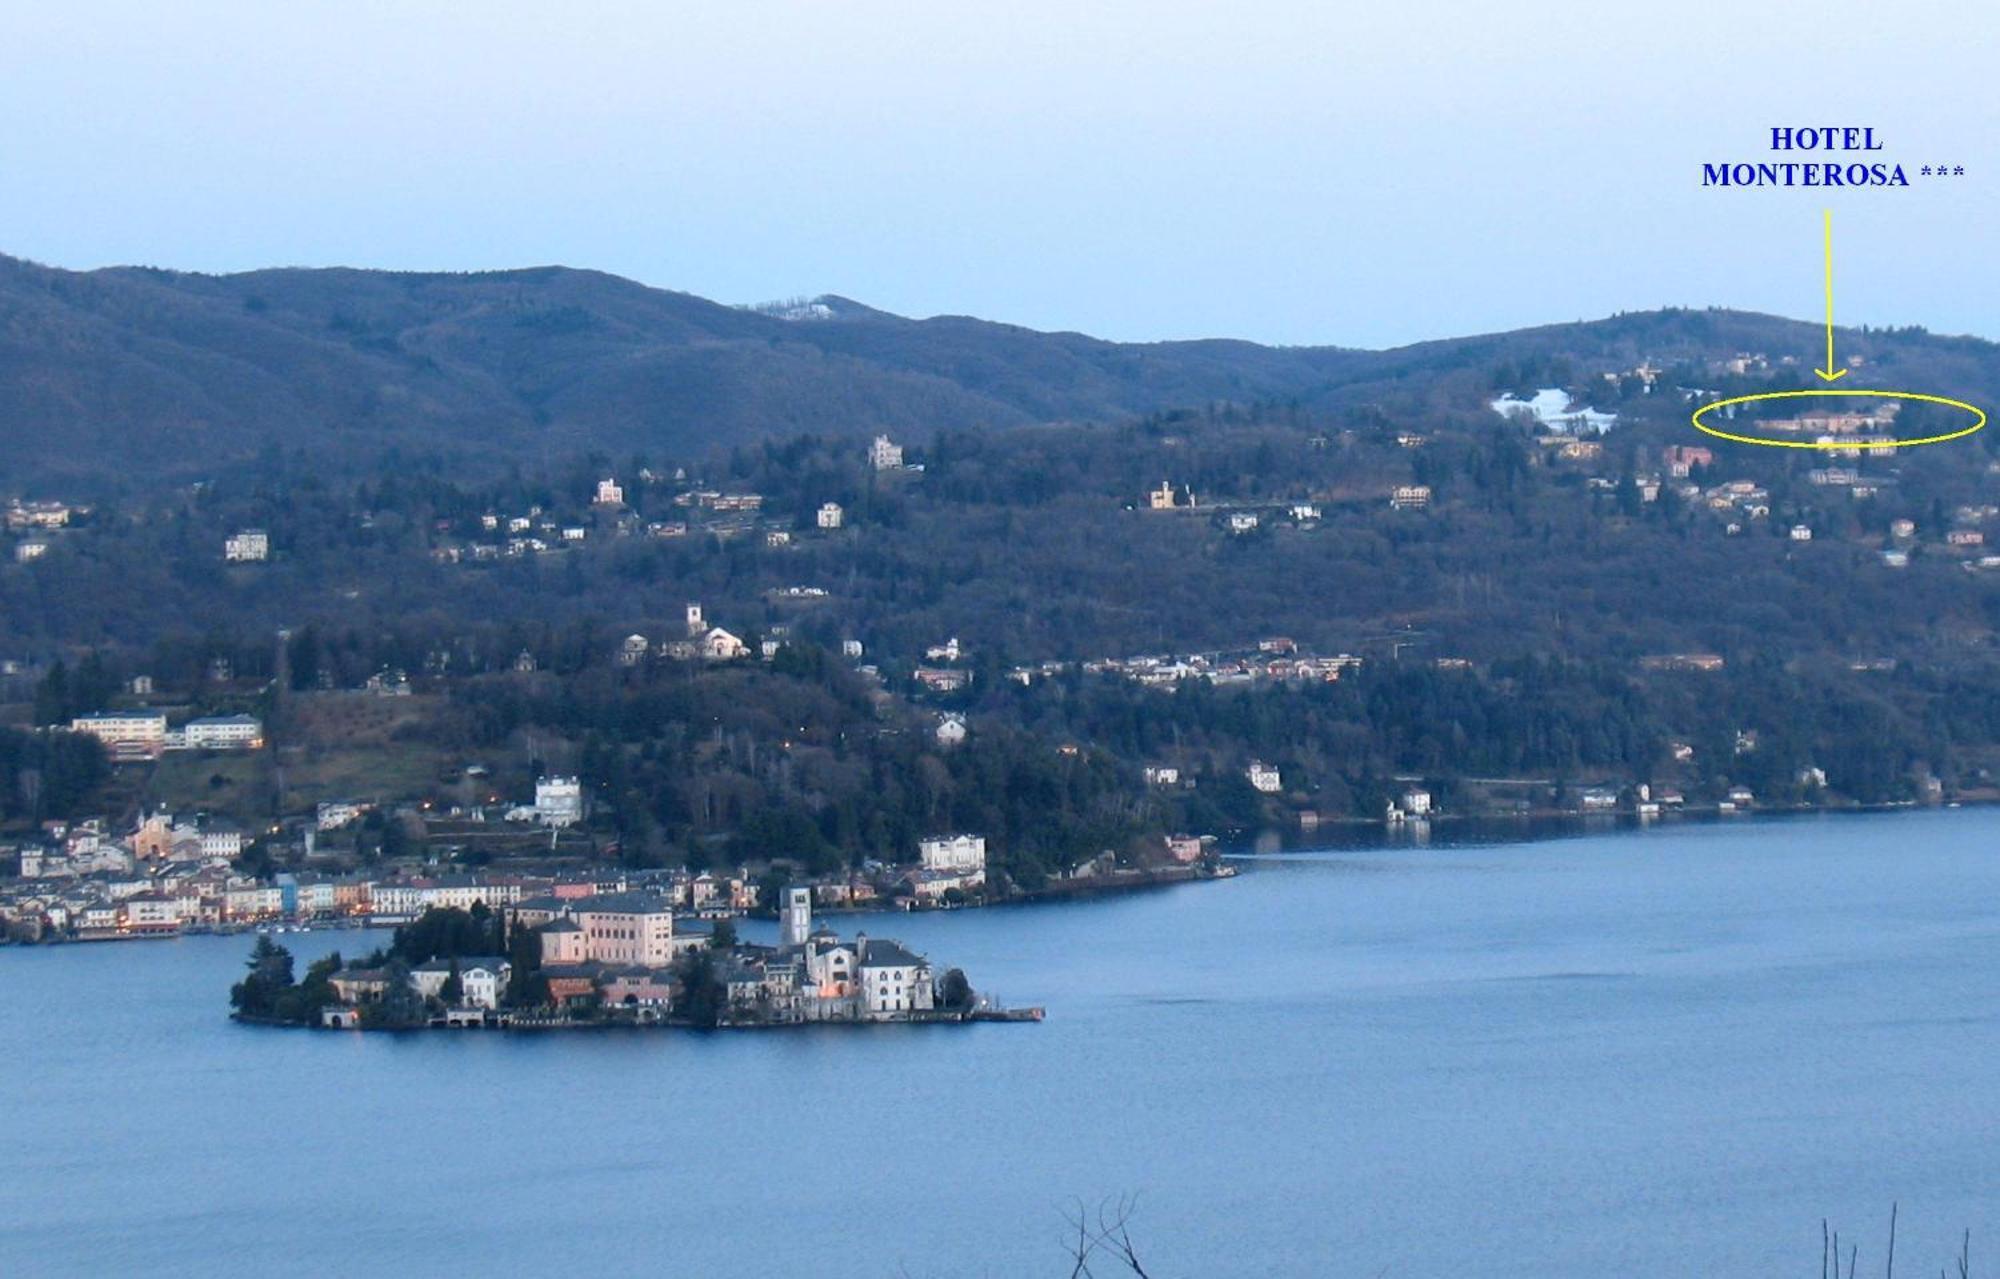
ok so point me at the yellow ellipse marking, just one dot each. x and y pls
(1831, 392)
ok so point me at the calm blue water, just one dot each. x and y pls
(1669, 1052)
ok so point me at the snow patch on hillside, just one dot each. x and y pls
(1552, 407)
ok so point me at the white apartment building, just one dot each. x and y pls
(396, 899)
(884, 455)
(249, 546)
(224, 732)
(558, 801)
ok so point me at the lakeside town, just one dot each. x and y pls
(171, 876)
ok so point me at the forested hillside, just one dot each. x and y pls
(1503, 610)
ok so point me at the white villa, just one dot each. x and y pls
(961, 853)
(250, 546)
(558, 801)
(951, 730)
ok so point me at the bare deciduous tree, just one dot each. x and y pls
(1103, 1235)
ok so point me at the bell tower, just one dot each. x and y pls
(798, 915)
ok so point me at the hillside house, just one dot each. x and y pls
(718, 645)
(558, 801)
(884, 455)
(250, 546)
(943, 679)
(953, 853)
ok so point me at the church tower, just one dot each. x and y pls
(798, 915)
(695, 625)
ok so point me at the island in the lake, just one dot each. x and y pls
(609, 959)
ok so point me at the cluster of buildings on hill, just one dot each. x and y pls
(533, 531)
(709, 512)
(623, 953)
(1963, 538)
(1248, 517)
(37, 523)
(1849, 432)
(1275, 659)
(144, 734)
(700, 642)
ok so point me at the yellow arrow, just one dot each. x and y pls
(1829, 373)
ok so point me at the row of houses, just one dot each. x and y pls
(171, 875)
(1276, 659)
(1246, 519)
(107, 905)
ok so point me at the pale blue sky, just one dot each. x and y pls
(1310, 172)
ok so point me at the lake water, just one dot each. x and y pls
(1668, 1052)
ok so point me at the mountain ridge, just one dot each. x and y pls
(174, 372)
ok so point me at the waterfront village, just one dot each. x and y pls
(171, 876)
(607, 958)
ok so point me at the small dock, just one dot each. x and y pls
(1006, 1014)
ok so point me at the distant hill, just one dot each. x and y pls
(137, 370)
